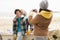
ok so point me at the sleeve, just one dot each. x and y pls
(33, 20)
(14, 24)
(22, 18)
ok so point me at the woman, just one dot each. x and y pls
(41, 22)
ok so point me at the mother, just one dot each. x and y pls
(41, 22)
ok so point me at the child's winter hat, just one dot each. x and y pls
(44, 4)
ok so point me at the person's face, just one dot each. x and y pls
(18, 14)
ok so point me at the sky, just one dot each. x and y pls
(7, 7)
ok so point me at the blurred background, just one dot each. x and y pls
(7, 8)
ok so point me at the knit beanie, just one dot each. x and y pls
(44, 4)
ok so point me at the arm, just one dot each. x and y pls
(14, 25)
(22, 18)
(33, 20)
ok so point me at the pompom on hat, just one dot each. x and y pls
(44, 4)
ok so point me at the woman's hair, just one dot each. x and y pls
(17, 10)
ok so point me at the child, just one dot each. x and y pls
(17, 26)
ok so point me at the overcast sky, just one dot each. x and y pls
(7, 7)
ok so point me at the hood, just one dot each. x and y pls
(46, 14)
